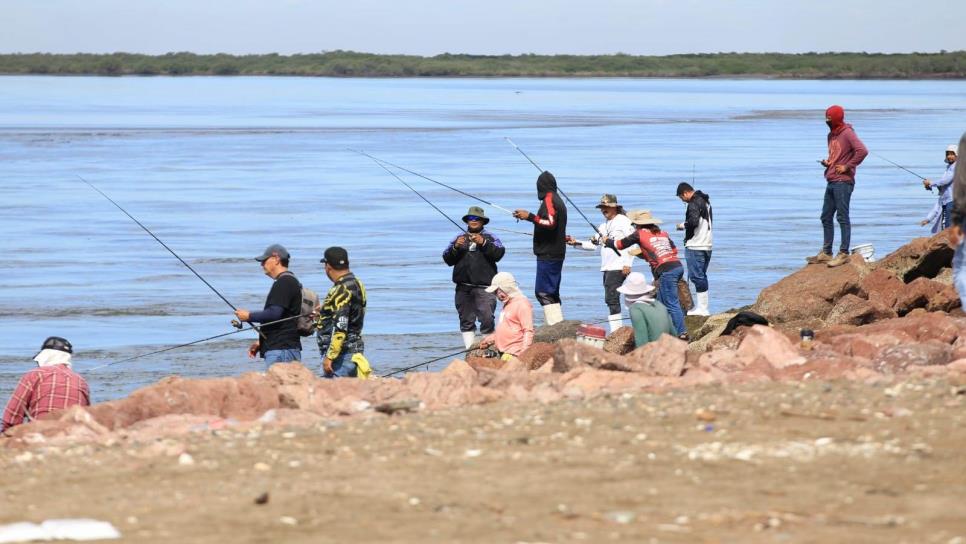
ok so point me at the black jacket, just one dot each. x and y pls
(699, 207)
(550, 221)
(472, 265)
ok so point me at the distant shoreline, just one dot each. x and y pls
(346, 64)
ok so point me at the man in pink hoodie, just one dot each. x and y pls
(845, 153)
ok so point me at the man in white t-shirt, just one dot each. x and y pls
(614, 265)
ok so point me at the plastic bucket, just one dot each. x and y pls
(867, 252)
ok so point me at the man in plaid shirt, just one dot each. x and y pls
(50, 387)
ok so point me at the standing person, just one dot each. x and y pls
(945, 187)
(473, 257)
(340, 320)
(659, 251)
(648, 316)
(614, 266)
(514, 332)
(845, 153)
(279, 342)
(959, 225)
(53, 385)
(698, 220)
(549, 245)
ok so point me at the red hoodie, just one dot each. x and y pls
(844, 147)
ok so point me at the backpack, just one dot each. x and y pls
(305, 324)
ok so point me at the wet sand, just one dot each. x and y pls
(772, 462)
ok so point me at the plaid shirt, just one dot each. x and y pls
(44, 390)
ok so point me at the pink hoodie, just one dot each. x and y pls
(514, 332)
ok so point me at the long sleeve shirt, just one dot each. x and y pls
(619, 227)
(844, 149)
(944, 184)
(341, 318)
(514, 330)
(44, 390)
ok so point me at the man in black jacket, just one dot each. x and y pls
(697, 226)
(549, 245)
(473, 257)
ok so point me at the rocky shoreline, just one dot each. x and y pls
(881, 329)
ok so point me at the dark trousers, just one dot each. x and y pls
(947, 215)
(837, 199)
(475, 304)
(612, 280)
(547, 286)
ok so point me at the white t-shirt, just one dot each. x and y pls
(617, 228)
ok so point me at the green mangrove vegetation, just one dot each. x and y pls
(944, 64)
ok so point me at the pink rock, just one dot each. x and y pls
(809, 293)
(460, 369)
(852, 310)
(571, 354)
(724, 360)
(881, 286)
(922, 257)
(665, 356)
(537, 354)
(959, 365)
(772, 346)
(928, 294)
(900, 357)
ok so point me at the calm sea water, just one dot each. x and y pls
(221, 167)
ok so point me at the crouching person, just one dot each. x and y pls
(50, 387)
(648, 316)
(514, 331)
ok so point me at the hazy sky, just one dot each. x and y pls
(429, 27)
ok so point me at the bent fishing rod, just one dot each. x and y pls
(417, 174)
(250, 328)
(393, 174)
(237, 324)
(559, 190)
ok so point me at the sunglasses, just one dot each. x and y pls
(473, 218)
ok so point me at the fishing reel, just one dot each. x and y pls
(236, 323)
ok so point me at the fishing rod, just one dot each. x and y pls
(188, 344)
(394, 372)
(417, 174)
(513, 231)
(898, 166)
(237, 324)
(393, 174)
(559, 190)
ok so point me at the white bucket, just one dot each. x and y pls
(867, 252)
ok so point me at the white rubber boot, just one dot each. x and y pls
(616, 321)
(701, 304)
(468, 339)
(552, 314)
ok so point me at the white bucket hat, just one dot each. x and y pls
(953, 149)
(635, 284)
(503, 281)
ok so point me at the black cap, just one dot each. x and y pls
(57, 343)
(336, 257)
(277, 250)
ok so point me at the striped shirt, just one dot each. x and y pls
(43, 390)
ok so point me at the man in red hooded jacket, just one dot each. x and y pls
(845, 153)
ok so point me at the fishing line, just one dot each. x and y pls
(559, 190)
(393, 174)
(189, 344)
(898, 166)
(394, 372)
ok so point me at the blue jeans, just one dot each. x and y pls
(547, 286)
(698, 261)
(959, 270)
(282, 356)
(342, 367)
(947, 216)
(667, 293)
(837, 198)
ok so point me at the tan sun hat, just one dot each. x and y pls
(643, 217)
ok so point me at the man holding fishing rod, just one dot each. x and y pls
(549, 245)
(473, 256)
(280, 343)
(944, 184)
(845, 153)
